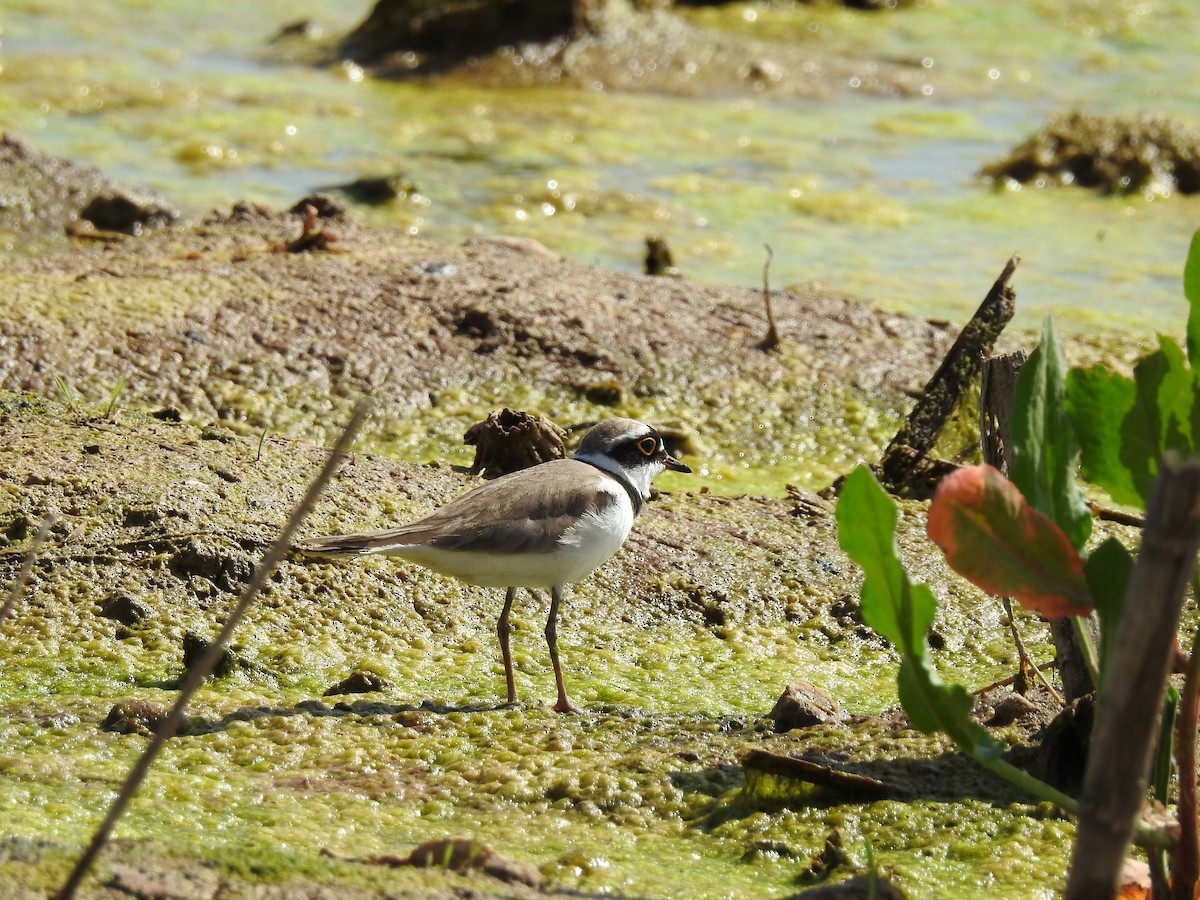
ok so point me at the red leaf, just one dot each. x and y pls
(996, 540)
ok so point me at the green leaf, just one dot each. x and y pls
(1176, 398)
(1107, 569)
(1044, 444)
(866, 518)
(1097, 398)
(1138, 432)
(993, 538)
(1191, 290)
(932, 705)
(903, 612)
(1161, 415)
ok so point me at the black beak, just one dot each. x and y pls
(673, 464)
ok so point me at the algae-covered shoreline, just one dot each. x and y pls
(168, 396)
(677, 648)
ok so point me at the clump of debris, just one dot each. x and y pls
(1151, 155)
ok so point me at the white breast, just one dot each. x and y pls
(597, 536)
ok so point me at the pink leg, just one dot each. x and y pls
(562, 705)
(502, 630)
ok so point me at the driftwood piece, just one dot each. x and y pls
(509, 440)
(797, 769)
(1130, 703)
(997, 388)
(902, 460)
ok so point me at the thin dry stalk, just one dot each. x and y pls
(771, 340)
(18, 586)
(1026, 663)
(204, 666)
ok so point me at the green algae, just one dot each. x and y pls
(610, 788)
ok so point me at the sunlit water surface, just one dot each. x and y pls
(875, 195)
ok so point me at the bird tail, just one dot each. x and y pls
(359, 544)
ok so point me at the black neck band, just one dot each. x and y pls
(635, 496)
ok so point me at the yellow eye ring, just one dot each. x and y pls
(648, 446)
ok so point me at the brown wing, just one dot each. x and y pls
(523, 512)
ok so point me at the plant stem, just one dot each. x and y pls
(1185, 867)
(1090, 657)
(1131, 699)
(1034, 786)
(1026, 664)
(1160, 885)
(18, 586)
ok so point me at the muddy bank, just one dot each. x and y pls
(219, 322)
(45, 197)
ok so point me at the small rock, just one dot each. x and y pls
(1144, 154)
(1009, 710)
(808, 504)
(358, 683)
(226, 567)
(476, 322)
(195, 646)
(134, 717)
(461, 854)
(19, 529)
(141, 515)
(212, 433)
(58, 720)
(602, 393)
(802, 705)
(124, 609)
(225, 475)
(377, 190)
(436, 268)
(126, 213)
(512, 871)
(769, 851)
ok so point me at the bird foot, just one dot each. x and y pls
(565, 706)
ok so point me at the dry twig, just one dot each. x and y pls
(18, 586)
(771, 339)
(198, 672)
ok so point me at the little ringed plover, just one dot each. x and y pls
(542, 527)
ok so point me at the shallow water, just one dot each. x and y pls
(875, 195)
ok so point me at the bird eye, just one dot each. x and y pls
(648, 446)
